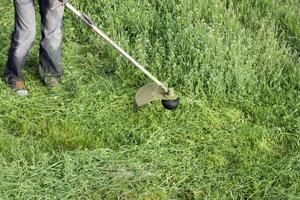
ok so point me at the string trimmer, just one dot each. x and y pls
(153, 91)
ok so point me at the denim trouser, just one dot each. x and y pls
(51, 12)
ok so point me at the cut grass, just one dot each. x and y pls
(235, 65)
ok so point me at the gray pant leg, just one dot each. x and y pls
(22, 37)
(50, 47)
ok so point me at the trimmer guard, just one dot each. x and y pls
(152, 92)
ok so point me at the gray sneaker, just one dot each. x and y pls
(18, 85)
(51, 81)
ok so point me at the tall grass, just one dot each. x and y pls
(235, 65)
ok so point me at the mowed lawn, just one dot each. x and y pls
(235, 65)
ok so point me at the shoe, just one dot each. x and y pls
(18, 85)
(51, 81)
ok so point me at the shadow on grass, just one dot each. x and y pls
(32, 67)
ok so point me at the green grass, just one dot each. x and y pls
(234, 64)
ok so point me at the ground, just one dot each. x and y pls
(234, 64)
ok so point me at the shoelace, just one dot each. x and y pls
(19, 85)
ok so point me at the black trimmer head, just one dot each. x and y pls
(170, 104)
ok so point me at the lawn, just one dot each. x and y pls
(235, 65)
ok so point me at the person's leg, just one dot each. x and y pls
(50, 48)
(21, 40)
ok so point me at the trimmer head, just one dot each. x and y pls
(153, 92)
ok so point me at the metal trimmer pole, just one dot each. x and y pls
(91, 24)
